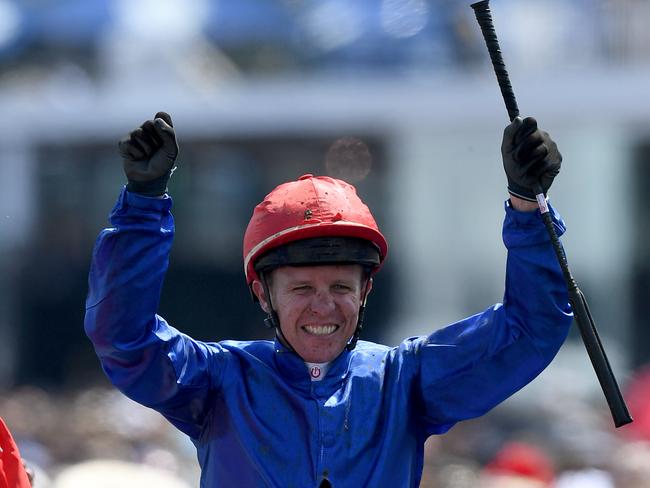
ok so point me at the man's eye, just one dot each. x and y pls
(301, 288)
(341, 287)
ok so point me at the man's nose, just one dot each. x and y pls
(322, 302)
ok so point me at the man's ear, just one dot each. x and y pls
(368, 287)
(258, 289)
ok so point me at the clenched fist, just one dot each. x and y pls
(149, 153)
(530, 158)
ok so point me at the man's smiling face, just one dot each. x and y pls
(318, 306)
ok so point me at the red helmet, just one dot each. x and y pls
(305, 211)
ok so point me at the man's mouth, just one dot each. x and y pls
(320, 330)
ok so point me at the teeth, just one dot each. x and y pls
(320, 329)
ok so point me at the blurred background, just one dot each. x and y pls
(259, 90)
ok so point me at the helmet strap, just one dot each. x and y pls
(357, 332)
(362, 310)
(272, 321)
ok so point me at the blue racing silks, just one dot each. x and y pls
(250, 408)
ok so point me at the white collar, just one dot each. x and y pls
(317, 371)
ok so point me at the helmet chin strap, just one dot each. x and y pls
(362, 310)
(272, 321)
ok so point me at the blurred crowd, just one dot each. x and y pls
(94, 436)
(97, 437)
(558, 441)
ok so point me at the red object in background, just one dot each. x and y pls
(521, 459)
(12, 471)
(638, 398)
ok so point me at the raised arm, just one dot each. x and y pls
(142, 355)
(469, 367)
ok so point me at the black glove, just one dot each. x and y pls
(148, 155)
(530, 158)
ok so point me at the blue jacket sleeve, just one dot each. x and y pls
(148, 360)
(467, 368)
